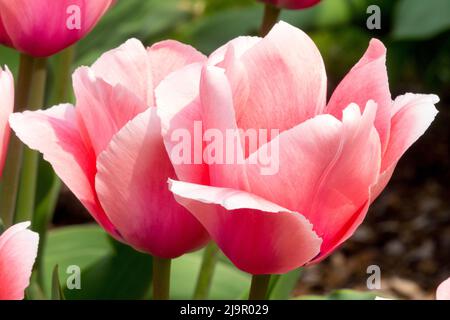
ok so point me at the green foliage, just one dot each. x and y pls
(418, 19)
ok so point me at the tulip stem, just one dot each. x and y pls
(161, 278)
(206, 272)
(259, 286)
(45, 211)
(28, 177)
(10, 180)
(271, 14)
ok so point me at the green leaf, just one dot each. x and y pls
(57, 293)
(282, 285)
(419, 19)
(109, 270)
(228, 282)
(343, 294)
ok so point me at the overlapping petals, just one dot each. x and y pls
(109, 150)
(18, 250)
(44, 27)
(6, 107)
(333, 158)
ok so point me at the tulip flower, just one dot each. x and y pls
(333, 158)
(443, 291)
(292, 4)
(6, 107)
(41, 28)
(18, 250)
(109, 149)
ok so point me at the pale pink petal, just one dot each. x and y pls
(168, 56)
(326, 169)
(18, 250)
(6, 107)
(286, 78)
(102, 109)
(412, 115)
(54, 133)
(39, 27)
(132, 187)
(178, 106)
(218, 118)
(367, 80)
(443, 291)
(128, 66)
(258, 236)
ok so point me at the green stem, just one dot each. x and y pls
(45, 211)
(161, 278)
(28, 178)
(259, 286)
(11, 171)
(206, 272)
(271, 14)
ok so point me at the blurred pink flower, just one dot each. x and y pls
(443, 291)
(6, 108)
(18, 250)
(109, 149)
(292, 4)
(334, 158)
(44, 27)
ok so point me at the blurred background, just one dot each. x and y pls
(407, 231)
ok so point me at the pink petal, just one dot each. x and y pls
(128, 66)
(6, 107)
(132, 187)
(39, 27)
(218, 115)
(326, 169)
(98, 102)
(292, 4)
(18, 250)
(412, 114)
(168, 56)
(443, 291)
(367, 80)
(286, 79)
(54, 133)
(178, 106)
(258, 236)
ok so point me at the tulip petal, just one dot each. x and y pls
(258, 236)
(54, 133)
(367, 80)
(168, 56)
(102, 109)
(178, 106)
(412, 115)
(219, 118)
(443, 291)
(40, 28)
(128, 66)
(286, 73)
(131, 183)
(326, 169)
(6, 107)
(18, 250)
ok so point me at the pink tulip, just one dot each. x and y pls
(334, 159)
(109, 149)
(44, 27)
(18, 250)
(6, 107)
(443, 291)
(292, 4)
